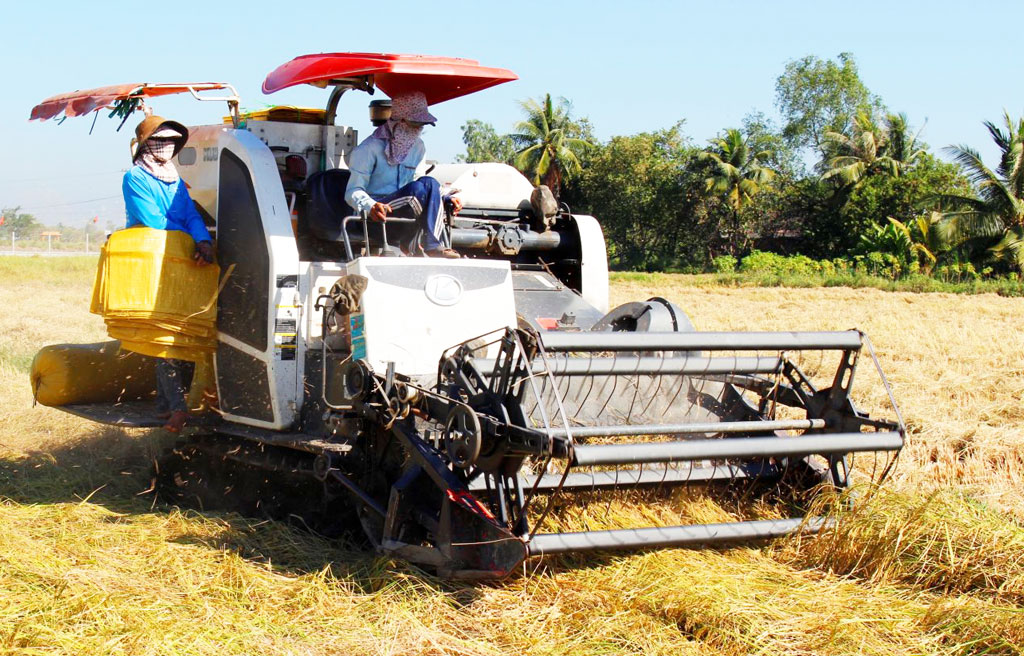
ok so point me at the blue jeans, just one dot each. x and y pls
(172, 380)
(420, 200)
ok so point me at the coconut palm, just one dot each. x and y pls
(902, 146)
(736, 173)
(872, 150)
(992, 222)
(547, 149)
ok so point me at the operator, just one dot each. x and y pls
(382, 169)
(156, 197)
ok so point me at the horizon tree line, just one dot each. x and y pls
(874, 186)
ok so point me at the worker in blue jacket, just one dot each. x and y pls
(382, 171)
(156, 197)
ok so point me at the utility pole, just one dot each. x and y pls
(13, 236)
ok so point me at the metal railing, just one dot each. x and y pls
(364, 218)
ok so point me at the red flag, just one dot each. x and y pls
(95, 219)
(2, 219)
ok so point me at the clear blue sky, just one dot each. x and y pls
(628, 66)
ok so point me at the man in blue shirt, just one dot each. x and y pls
(382, 170)
(156, 197)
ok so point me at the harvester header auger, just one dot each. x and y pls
(464, 413)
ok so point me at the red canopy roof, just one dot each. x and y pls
(439, 78)
(78, 103)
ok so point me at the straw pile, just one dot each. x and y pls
(931, 565)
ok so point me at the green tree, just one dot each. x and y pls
(484, 144)
(892, 237)
(989, 225)
(907, 196)
(835, 218)
(548, 149)
(915, 244)
(859, 155)
(903, 146)
(647, 192)
(776, 219)
(872, 149)
(16, 221)
(737, 175)
(815, 97)
(764, 136)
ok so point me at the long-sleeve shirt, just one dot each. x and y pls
(372, 176)
(161, 205)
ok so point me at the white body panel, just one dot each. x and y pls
(593, 262)
(284, 305)
(491, 185)
(415, 308)
(333, 142)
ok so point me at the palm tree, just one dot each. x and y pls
(993, 221)
(903, 147)
(547, 149)
(735, 173)
(872, 149)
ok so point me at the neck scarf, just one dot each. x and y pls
(400, 138)
(155, 156)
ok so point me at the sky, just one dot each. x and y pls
(627, 66)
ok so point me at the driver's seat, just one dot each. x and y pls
(326, 206)
(327, 214)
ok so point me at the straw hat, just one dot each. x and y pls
(153, 126)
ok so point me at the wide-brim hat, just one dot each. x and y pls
(151, 125)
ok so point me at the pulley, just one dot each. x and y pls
(354, 381)
(462, 436)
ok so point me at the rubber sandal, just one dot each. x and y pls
(177, 421)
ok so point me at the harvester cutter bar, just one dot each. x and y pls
(696, 341)
(587, 455)
(671, 536)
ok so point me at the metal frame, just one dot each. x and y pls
(495, 389)
(386, 249)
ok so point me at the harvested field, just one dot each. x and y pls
(933, 564)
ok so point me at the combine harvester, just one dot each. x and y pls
(450, 406)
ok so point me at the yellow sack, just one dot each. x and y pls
(91, 373)
(153, 296)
